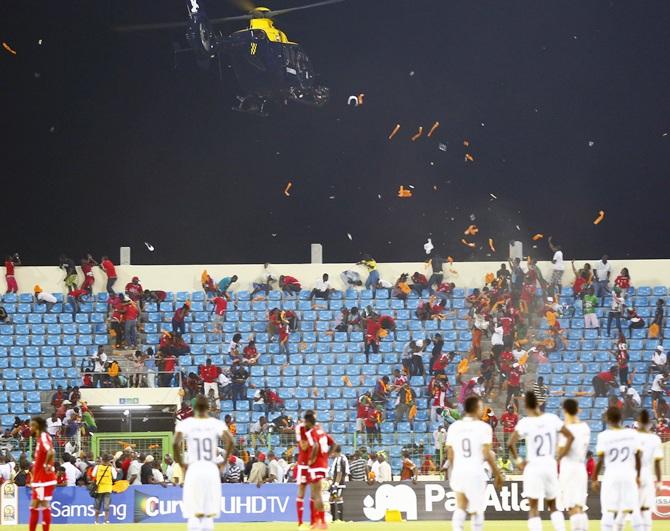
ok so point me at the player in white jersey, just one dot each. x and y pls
(202, 481)
(468, 450)
(540, 477)
(573, 479)
(651, 448)
(619, 450)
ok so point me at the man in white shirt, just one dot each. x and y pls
(540, 477)
(42, 297)
(72, 473)
(651, 449)
(658, 360)
(619, 450)
(381, 469)
(99, 362)
(557, 269)
(572, 477)
(133, 475)
(275, 473)
(603, 270)
(468, 451)
(321, 288)
(54, 425)
(6, 468)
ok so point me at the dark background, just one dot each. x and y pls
(105, 144)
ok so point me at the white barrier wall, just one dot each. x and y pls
(187, 277)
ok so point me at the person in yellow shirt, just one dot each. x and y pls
(373, 273)
(104, 476)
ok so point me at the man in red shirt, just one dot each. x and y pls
(219, 312)
(108, 267)
(134, 289)
(372, 329)
(10, 262)
(43, 475)
(179, 318)
(167, 367)
(603, 381)
(509, 420)
(210, 376)
(130, 314)
(87, 268)
(289, 285)
(320, 444)
(419, 283)
(74, 297)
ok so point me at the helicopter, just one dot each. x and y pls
(270, 69)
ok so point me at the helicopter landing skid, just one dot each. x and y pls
(252, 105)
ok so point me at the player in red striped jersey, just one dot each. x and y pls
(301, 471)
(43, 475)
(320, 444)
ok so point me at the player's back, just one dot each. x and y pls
(541, 435)
(580, 445)
(651, 449)
(618, 446)
(319, 438)
(304, 450)
(202, 438)
(467, 438)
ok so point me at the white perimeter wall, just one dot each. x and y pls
(187, 277)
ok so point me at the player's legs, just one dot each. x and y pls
(300, 499)
(578, 519)
(477, 521)
(317, 500)
(607, 521)
(645, 516)
(534, 520)
(459, 515)
(193, 524)
(556, 516)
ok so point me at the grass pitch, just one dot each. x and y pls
(492, 525)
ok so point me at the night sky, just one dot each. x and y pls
(565, 105)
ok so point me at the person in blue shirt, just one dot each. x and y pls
(225, 283)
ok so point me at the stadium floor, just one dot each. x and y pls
(378, 526)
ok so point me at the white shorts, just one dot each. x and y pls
(202, 490)
(472, 484)
(591, 320)
(573, 481)
(648, 494)
(540, 480)
(619, 494)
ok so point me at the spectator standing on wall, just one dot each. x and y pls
(87, 265)
(558, 268)
(67, 264)
(603, 271)
(436, 263)
(373, 273)
(108, 267)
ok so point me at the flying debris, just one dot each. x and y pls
(150, 247)
(428, 246)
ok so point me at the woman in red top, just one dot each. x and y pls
(10, 262)
(87, 268)
(623, 280)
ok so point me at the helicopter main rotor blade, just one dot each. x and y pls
(277, 12)
(231, 19)
(143, 27)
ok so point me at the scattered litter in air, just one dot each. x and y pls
(389, 242)
(665, 134)
(404, 193)
(493, 196)
(37, 75)
(469, 158)
(432, 163)
(8, 48)
(435, 187)
(591, 143)
(452, 219)
(574, 37)
(411, 73)
(483, 124)
(517, 227)
(379, 196)
(149, 246)
(353, 100)
(39, 42)
(418, 134)
(349, 236)
(145, 419)
(395, 131)
(537, 236)
(52, 128)
(442, 147)
(472, 217)
(428, 246)
(534, 246)
(288, 187)
(411, 186)
(466, 143)
(274, 234)
(433, 129)
(601, 216)
(331, 197)
(277, 153)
